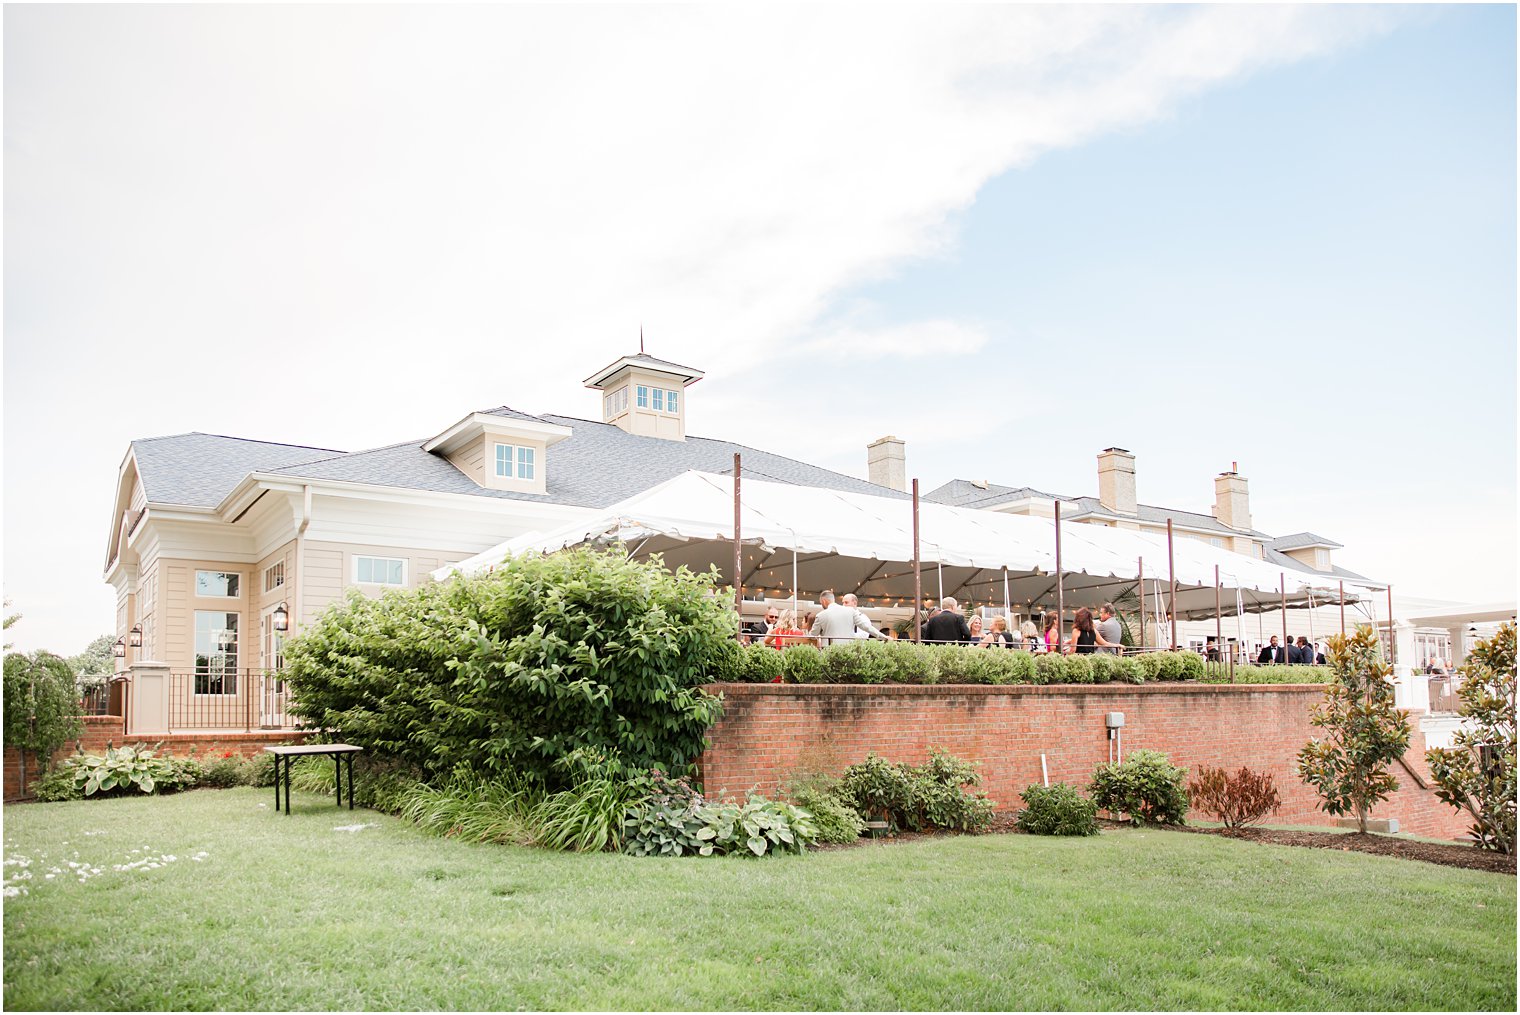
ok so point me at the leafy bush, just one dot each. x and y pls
(1364, 731)
(1191, 666)
(131, 769)
(58, 784)
(1048, 669)
(758, 826)
(918, 797)
(836, 820)
(1057, 810)
(1152, 664)
(1146, 786)
(1104, 668)
(801, 664)
(863, 662)
(224, 771)
(1020, 666)
(510, 671)
(1273, 673)
(665, 823)
(588, 816)
(1077, 669)
(1128, 670)
(41, 706)
(762, 664)
(1237, 800)
(1477, 773)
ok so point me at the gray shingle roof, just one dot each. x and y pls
(1298, 540)
(964, 493)
(597, 465)
(511, 413)
(200, 469)
(1294, 564)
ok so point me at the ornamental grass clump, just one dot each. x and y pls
(1364, 731)
(1477, 773)
(506, 673)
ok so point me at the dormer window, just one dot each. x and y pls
(671, 405)
(615, 403)
(514, 461)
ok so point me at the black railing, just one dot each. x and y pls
(228, 700)
(95, 700)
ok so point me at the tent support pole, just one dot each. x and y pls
(1171, 609)
(1392, 648)
(1282, 588)
(918, 578)
(1343, 609)
(1140, 564)
(738, 556)
(1060, 584)
(1218, 619)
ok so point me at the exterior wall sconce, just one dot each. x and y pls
(119, 650)
(281, 618)
(134, 637)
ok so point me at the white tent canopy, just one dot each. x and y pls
(864, 544)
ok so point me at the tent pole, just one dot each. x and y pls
(794, 574)
(1343, 609)
(738, 558)
(1141, 565)
(1282, 588)
(1006, 607)
(1171, 609)
(1218, 619)
(1060, 584)
(1392, 649)
(918, 578)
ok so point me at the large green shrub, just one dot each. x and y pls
(1477, 773)
(1057, 810)
(762, 664)
(1364, 731)
(931, 795)
(41, 706)
(1146, 786)
(510, 671)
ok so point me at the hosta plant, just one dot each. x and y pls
(128, 769)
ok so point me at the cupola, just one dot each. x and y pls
(645, 395)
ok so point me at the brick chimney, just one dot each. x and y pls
(1116, 481)
(1232, 500)
(887, 463)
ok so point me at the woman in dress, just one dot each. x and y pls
(1000, 636)
(1030, 636)
(1084, 634)
(786, 632)
(976, 629)
(1052, 633)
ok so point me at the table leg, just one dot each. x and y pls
(338, 776)
(350, 782)
(276, 783)
(287, 787)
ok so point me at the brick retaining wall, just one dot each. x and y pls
(103, 730)
(770, 732)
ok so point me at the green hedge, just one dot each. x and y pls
(900, 662)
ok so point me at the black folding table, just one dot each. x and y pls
(342, 755)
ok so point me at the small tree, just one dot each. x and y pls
(41, 707)
(1478, 772)
(1364, 731)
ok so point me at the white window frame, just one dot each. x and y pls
(521, 461)
(616, 403)
(196, 586)
(643, 396)
(227, 677)
(527, 462)
(672, 402)
(277, 572)
(389, 560)
(657, 399)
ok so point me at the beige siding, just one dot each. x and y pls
(471, 460)
(322, 575)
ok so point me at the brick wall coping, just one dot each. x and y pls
(746, 690)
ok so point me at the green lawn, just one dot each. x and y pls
(291, 913)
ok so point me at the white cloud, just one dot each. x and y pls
(341, 225)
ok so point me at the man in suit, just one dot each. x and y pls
(1293, 654)
(1271, 653)
(949, 625)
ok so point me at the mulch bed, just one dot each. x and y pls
(1446, 854)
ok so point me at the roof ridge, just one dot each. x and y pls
(352, 454)
(230, 437)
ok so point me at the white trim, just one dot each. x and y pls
(464, 431)
(354, 570)
(598, 379)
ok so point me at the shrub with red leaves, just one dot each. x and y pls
(1237, 800)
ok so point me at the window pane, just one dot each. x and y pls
(216, 584)
(659, 399)
(365, 570)
(643, 397)
(394, 573)
(504, 460)
(524, 463)
(670, 401)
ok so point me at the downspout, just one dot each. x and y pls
(301, 552)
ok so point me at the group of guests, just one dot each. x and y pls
(842, 620)
(1299, 653)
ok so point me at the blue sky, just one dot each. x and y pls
(1012, 236)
